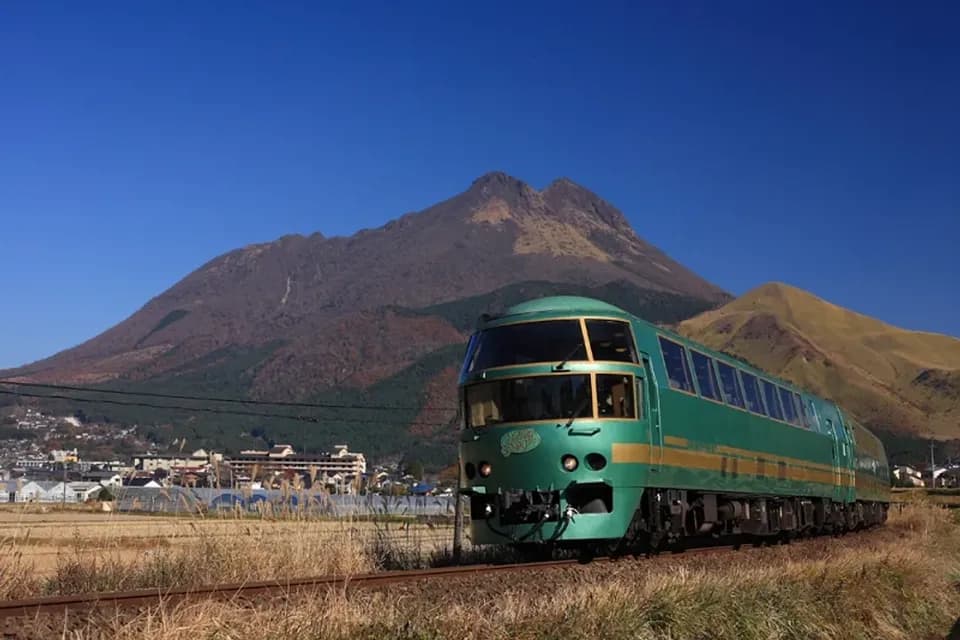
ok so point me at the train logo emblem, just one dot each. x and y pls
(519, 441)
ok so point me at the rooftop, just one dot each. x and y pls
(563, 303)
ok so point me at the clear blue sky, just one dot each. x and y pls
(815, 144)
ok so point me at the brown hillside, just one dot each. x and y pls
(892, 379)
(379, 317)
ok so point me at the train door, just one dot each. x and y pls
(841, 457)
(835, 462)
(647, 391)
(846, 457)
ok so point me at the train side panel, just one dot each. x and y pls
(708, 445)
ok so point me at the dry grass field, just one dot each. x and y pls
(899, 581)
(945, 497)
(46, 551)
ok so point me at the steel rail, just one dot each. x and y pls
(32, 607)
(143, 597)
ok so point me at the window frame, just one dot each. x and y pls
(736, 381)
(784, 391)
(637, 410)
(756, 385)
(591, 385)
(713, 376)
(631, 340)
(686, 366)
(776, 397)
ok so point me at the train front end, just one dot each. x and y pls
(555, 443)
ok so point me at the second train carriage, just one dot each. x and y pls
(587, 426)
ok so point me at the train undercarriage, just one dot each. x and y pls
(674, 519)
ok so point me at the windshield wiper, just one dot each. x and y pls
(575, 414)
(559, 366)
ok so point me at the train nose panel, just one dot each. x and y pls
(517, 506)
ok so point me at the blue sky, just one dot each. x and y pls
(811, 143)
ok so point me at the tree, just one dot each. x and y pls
(415, 468)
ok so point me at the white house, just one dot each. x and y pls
(73, 492)
(34, 491)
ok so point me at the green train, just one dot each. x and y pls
(586, 427)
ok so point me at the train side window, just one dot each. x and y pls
(675, 359)
(615, 396)
(706, 378)
(814, 418)
(798, 405)
(751, 392)
(786, 399)
(773, 403)
(611, 340)
(728, 382)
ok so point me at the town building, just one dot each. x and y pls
(72, 492)
(197, 460)
(341, 469)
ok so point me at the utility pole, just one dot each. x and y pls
(933, 478)
(457, 516)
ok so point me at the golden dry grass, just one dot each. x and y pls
(866, 365)
(77, 551)
(898, 583)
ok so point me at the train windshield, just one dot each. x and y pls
(556, 397)
(548, 341)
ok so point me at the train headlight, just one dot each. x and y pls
(485, 469)
(569, 462)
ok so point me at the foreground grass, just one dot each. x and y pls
(896, 583)
(117, 553)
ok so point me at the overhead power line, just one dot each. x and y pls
(259, 414)
(169, 396)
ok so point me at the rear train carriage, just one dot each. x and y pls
(586, 426)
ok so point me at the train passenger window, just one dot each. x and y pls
(615, 396)
(751, 392)
(728, 382)
(773, 403)
(798, 403)
(611, 340)
(789, 411)
(814, 418)
(675, 359)
(706, 378)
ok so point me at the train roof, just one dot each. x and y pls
(563, 304)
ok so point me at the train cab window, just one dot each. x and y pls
(789, 411)
(528, 399)
(615, 396)
(770, 397)
(611, 340)
(675, 359)
(547, 341)
(751, 392)
(730, 386)
(706, 378)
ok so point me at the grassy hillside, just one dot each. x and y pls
(897, 381)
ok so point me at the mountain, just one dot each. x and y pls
(380, 317)
(899, 382)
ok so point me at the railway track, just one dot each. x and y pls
(11, 610)
(82, 602)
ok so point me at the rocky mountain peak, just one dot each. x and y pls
(566, 196)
